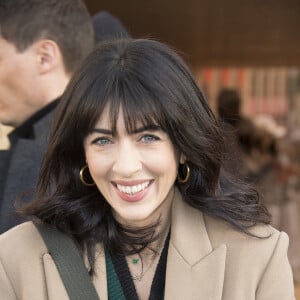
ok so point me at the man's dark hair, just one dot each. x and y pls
(67, 22)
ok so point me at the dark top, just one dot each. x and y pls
(120, 283)
(25, 132)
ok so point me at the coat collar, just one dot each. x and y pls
(194, 269)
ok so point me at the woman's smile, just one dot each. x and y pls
(132, 191)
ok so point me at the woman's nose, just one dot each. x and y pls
(127, 160)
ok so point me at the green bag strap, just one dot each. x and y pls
(69, 263)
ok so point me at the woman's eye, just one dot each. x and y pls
(148, 138)
(102, 141)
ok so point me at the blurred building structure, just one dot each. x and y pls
(216, 33)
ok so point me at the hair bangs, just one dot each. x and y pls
(140, 108)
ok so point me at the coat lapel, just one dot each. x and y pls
(54, 285)
(194, 269)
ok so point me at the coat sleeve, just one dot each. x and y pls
(277, 280)
(6, 289)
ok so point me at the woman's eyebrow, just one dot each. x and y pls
(102, 131)
(135, 131)
(146, 128)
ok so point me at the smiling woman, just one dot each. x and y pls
(133, 174)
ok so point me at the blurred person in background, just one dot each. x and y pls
(41, 45)
(237, 128)
(258, 151)
(108, 27)
(251, 146)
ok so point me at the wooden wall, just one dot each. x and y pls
(216, 32)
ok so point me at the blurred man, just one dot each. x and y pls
(41, 44)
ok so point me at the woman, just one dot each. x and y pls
(133, 173)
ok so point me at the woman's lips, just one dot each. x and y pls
(132, 191)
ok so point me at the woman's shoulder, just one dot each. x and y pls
(21, 240)
(260, 258)
(263, 238)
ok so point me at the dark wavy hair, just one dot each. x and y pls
(154, 87)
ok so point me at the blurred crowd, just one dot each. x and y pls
(266, 155)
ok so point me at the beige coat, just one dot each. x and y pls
(207, 260)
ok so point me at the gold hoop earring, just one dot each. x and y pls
(187, 175)
(81, 176)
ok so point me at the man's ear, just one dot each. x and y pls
(48, 55)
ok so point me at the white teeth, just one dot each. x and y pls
(133, 189)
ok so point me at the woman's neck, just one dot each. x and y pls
(143, 266)
(161, 232)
